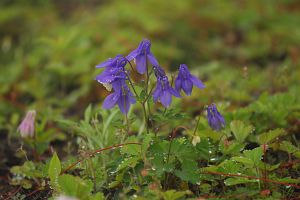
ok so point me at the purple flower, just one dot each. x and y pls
(163, 91)
(114, 69)
(26, 128)
(112, 62)
(121, 96)
(141, 55)
(185, 80)
(215, 119)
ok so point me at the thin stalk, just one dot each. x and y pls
(146, 118)
(95, 152)
(168, 158)
(196, 127)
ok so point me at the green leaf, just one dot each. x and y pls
(28, 169)
(230, 166)
(87, 113)
(131, 149)
(128, 162)
(240, 130)
(54, 170)
(255, 155)
(146, 142)
(75, 186)
(288, 147)
(267, 137)
(189, 171)
(173, 194)
(238, 180)
(244, 160)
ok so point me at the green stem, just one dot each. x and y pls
(194, 134)
(168, 158)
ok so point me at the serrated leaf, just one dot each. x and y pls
(288, 147)
(128, 162)
(267, 137)
(189, 171)
(255, 155)
(243, 160)
(75, 186)
(131, 149)
(238, 180)
(240, 130)
(173, 194)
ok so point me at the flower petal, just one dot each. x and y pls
(141, 63)
(105, 63)
(178, 83)
(157, 92)
(197, 82)
(166, 98)
(187, 86)
(152, 59)
(124, 103)
(132, 55)
(174, 92)
(110, 101)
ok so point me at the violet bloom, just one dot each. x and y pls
(215, 119)
(163, 91)
(114, 69)
(141, 55)
(185, 80)
(121, 96)
(26, 128)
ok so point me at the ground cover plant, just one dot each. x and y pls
(208, 109)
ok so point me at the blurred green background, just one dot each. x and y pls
(49, 49)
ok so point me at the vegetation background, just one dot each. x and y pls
(246, 52)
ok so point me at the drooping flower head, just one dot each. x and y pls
(114, 69)
(215, 120)
(121, 96)
(142, 54)
(26, 128)
(163, 91)
(185, 80)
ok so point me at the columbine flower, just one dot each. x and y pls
(141, 55)
(185, 80)
(163, 91)
(26, 128)
(114, 69)
(112, 62)
(215, 119)
(121, 96)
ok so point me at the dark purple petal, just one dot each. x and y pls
(105, 63)
(215, 120)
(124, 103)
(105, 78)
(178, 83)
(157, 91)
(152, 59)
(174, 92)
(187, 86)
(141, 64)
(197, 82)
(110, 101)
(166, 98)
(132, 55)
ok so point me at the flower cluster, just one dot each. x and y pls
(116, 77)
(215, 119)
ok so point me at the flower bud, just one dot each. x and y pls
(26, 128)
